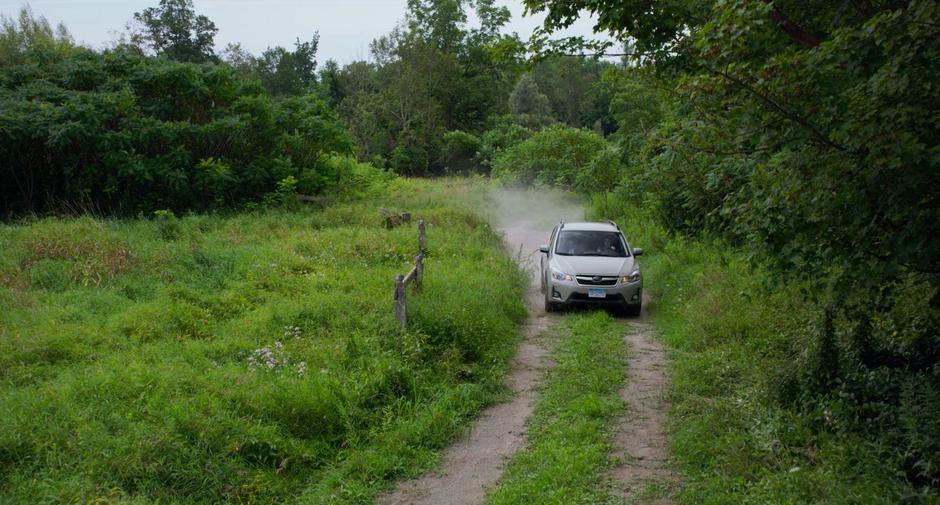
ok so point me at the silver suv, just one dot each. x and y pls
(590, 263)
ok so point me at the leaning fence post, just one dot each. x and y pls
(400, 300)
(421, 236)
(419, 270)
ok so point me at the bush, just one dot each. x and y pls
(460, 152)
(503, 134)
(561, 156)
(120, 133)
(802, 404)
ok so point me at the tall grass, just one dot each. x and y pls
(251, 358)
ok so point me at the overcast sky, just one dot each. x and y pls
(346, 26)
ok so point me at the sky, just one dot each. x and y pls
(346, 26)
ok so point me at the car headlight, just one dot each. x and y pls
(560, 276)
(633, 277)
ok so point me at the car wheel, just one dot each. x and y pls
(550, 306)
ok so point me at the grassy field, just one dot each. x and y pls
(734, 339)
(250, 358)
(570, 434)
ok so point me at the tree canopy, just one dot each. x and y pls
(173, 29)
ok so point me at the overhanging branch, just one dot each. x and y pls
(793, 30)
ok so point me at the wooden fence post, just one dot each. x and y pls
(419, 270)
(416, 275)
(400, 312)
(421, 239)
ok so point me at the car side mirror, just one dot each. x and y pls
(543, 249)
(637, 251)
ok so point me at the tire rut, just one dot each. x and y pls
(473, 464)
(640, 443)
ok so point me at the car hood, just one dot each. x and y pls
(593, 265)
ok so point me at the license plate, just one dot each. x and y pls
(597, 293)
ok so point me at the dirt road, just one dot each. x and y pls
(475, 462)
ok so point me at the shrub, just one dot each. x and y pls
(459, 151)
(120, 133)
(503, 134)
(561, 156)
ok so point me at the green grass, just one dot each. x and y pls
(126, 350)
(734, 340)
(570, 433)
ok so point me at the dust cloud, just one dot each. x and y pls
(526, 218)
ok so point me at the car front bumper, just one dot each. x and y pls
(570, 292)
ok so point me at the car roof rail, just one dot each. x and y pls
(612, 223)
(562, 224)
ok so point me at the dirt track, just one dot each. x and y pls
(641, 438)
(475, 462)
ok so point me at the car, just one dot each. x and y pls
(590, 263)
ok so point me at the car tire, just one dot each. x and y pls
(550, 306)
(631, 310)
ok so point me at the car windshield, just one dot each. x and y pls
(591, 243)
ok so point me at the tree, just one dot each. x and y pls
(27, 32)
(438, 22)
(431, 74)
(285, 72)
(239, 58)
(529, 106)
(634, 106)
(331, 87)
(174, 30)
(567, 81)
(119, 132)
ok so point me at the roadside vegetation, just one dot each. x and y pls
(246, 358)
(795, 285)
(779, 163)
(742, 349)
(569, 437)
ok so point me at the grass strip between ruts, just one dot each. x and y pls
(570, 434)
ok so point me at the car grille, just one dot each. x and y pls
(596, 280)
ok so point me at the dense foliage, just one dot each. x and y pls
(163, 121)
(437, 73)
(807, 136)
(801, 136)
(173, 29)
(563, 156)
(432, 74)
(120, 132)
(281, 71)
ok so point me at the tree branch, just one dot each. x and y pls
(793, 30)
(789, 114)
